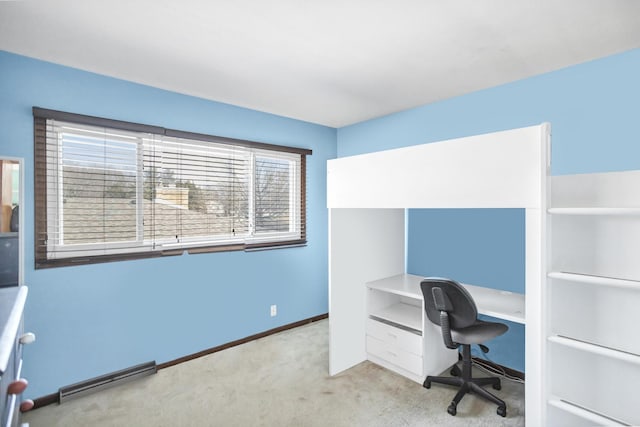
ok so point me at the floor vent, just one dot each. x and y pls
(106, 381)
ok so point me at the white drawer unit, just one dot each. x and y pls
(394, 332)
(402, 359)
(399, 337)
(396, 346)
(395, 337)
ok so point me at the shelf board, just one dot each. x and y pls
(595, 349)
(585, 414)
(490, 302)
(595, 211)
(406, 285)
(595, 280)
(402, 314)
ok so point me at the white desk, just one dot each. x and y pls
(400, 337)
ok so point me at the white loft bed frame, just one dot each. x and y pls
(367, 196)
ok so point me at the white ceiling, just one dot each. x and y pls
(333, 62)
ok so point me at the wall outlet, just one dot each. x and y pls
(274, 310)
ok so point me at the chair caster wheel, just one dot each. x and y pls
(502, 411)
(454, 372)
(426, 384)
(497, 386)
(452, 410)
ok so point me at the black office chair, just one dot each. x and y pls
(450, 306)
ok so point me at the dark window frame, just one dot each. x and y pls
(41, 115)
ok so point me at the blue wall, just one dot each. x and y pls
(95, 319)
(593, 109)
(476, 246)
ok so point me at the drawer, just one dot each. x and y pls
(395, 337)
(403, 359)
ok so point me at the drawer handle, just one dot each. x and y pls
(27, 338)
(17, 386)
(26, 405)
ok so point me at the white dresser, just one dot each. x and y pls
(12, 301)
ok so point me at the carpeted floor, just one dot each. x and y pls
(280, 380)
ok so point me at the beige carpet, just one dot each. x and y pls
(281, 380)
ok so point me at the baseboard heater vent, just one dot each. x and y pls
(105, 381)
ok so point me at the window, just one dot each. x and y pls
(109, 190)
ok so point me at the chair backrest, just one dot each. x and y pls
(460, 305)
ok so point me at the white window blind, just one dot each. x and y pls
(112, 193)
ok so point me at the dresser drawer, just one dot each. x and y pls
(392, 354)
(12, 302)
(395, 337)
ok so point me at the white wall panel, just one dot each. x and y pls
(497, 170)
(364, 245)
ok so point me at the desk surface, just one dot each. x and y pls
(490, 302)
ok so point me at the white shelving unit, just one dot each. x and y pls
(593, 295)
(397, 333)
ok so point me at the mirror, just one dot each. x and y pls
(10, 195)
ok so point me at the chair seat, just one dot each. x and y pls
(479, 332)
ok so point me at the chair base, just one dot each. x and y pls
(467, 384)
